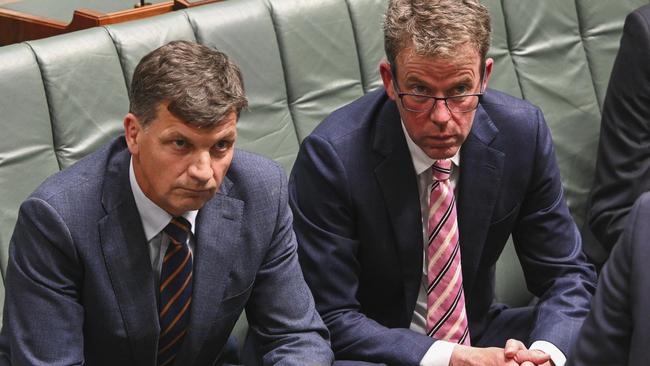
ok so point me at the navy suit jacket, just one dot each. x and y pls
(353, 191)
(79, 285)
(623, 164)
(617, 330)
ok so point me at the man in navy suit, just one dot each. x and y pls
(90, 259)
(617, 330)
(623, 164)
(362, 195)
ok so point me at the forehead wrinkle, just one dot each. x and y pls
(462, 56)
(446, 79)
(464, 60)
(196, 134)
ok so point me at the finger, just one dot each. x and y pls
(527, 363)
(512, 347)
(535, 356)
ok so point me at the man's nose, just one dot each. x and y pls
(439, 113)
(201, 167)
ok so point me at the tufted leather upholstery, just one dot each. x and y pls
(62, 97)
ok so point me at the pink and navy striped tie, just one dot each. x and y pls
(446, 316)
(175, 291)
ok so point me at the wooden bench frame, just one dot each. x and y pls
(18, 27)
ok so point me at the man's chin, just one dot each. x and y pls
(191, 204)
(439, 153)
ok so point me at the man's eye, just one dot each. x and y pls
(180, 143)
(459, 90)
(222, 145)
(419, 89)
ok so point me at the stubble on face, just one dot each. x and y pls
(180, 167)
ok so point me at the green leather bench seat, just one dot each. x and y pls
(62, 97)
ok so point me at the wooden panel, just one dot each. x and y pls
(86, 18)
(18, 27)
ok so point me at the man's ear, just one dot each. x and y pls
(132, 129)
(489, 62)
(387, 78)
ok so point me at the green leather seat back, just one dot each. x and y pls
(504, 75)
(540, 36)
(562, 54)
(135, 39)
(367, 17)
(86, 96)
(26, 150)
(266, 126)
(319, 56)
(601, 23)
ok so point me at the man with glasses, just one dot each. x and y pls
(404, 199)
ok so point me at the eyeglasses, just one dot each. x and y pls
(455, 104)
(419, 103)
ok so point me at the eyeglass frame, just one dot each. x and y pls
(436, 99)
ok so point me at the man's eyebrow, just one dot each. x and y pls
(173, 134)
(413, 78)
(465, 79)
(228, 134)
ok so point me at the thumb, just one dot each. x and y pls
(512, 347)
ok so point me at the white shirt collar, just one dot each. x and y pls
(421, 161)
(154, 219)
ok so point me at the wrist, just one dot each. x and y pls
(459, 356)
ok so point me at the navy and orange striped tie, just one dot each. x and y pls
(175, 291)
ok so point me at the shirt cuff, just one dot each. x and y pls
(438, 354)
(558, 358)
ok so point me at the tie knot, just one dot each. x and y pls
(178, 229)
(441, 169)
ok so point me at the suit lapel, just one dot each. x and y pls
(480, 178)
(125, 252)
(217, 236)
(396, 177)
(398, 182)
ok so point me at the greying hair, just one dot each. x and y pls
(200, 85)
(436, 28)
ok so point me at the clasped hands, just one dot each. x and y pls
(514, 353)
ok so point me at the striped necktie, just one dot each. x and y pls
(446, 317)
(175, 291)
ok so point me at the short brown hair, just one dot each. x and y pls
(436, 28)
(200, 85)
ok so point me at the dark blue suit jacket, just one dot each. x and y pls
(353, 191)
(623, 164)
(617, 330)
(79, 285)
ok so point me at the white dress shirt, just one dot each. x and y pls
(154, 219)
(440, 352)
